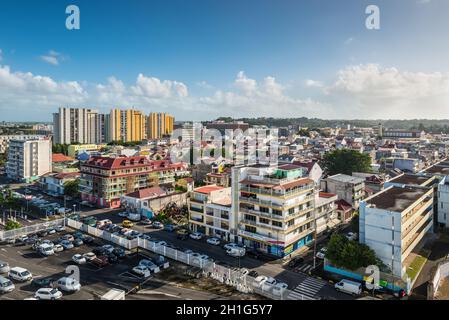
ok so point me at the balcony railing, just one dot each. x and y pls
(270, 192)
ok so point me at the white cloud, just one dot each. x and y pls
(373, 91)
(313, 83)
(204, 85)
(52, 57)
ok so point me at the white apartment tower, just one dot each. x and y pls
(76, 126)
(28, 160)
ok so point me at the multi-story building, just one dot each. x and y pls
(349, 188)
(74, 149)
(29, 159)
(325, 212)
(394, 221)
(6, 139)
(126, 125)
(72, 125)
(159, 125)
(53, 183)
(274, 206)
(210, 212)
(443, 203)
(104, 180)
(403, 164)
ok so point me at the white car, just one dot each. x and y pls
(68, 284)
(213, 241)
(320, 255)
(150, 265)
(89, 256)
(228, 246)
(48, 294)
(258, 282)
(51, 231)
(157, 225)
(196, 235)
(142, 271)
(351, 236)
(58, 248)
(20, 274)
(269, 284)
(280, 288)
(79, 259)
(123, 214)
(60, 228)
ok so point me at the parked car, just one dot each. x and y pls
(68, 284)
(349, 287)
(58, 248)
(79, 259)
(43, 282)
(46, 249)
(112, 258)
(158, 225)
(146, 222)
(100, 251)
(6, 285)
(141, 271)
(269, 283)
(123, 214)
(228, 246)
(89, 256)
(169, 227)
(78, 235)
(182, 234)
(109, 248)
(253, 273)
(196, 235)
(119, 252)
(100, 261)
(279, 289)
(259, 281)
(213, 241)
(20, 274)
(127, 224)
(68, 237)
(88, 239)
(351, 236)
(78, 242)
(48, 294)
(60, 228)
(321, 254)
(4, 267)
(67, 244)
(52, 231)
(150, 265)
(42, 233)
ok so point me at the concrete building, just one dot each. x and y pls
(6, 139)
(159, 125)
(29, 159)
(274, 206)
(53, 183)
(404, 164)
(326, 217)
(210, 212)
(443, 203)
(76, 126)
(349, 188)
(394, 221)
(126, 125)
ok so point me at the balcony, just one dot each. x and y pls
(270, 192)
(196, 209)
(280, 207)
(262, 214)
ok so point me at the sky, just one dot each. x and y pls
(202, 59)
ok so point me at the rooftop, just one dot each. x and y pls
(397, 199)
(208, 189)
(437, 169)
(59, 157)
(410, 179)
(346, 179)
(153, 192)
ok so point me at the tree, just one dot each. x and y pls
(350, 254)
(346, 161)
(10, 225)
(71, 188)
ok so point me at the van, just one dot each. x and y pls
(6, 285)
(4, 267)
(236, 252)
(349, 287)
(68, 284)
(20, 274)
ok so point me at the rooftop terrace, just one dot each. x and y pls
(396, 198)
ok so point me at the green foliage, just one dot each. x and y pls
(355, 223)
(60, 148)
(71, 188)
(350, 254)
(304, 132)
(10, 225)
(125, 144)
(346, 161)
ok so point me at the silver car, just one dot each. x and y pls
(4, 267)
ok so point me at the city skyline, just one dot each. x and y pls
(227, 59)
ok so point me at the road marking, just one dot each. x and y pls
(307, 289)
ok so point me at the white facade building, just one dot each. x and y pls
(5, 139)
(28, 160)
(76, 126)
(443, 203)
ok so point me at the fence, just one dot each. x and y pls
(15, 233)
(236, 277)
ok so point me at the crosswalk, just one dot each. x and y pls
(305, 268)
(307, 290)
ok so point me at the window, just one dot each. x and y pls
(263, 220)
(250, 217)
(277, 212)
(250, 229)
(276, 223)
(291, 210)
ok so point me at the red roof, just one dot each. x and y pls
(116, 163)
(327, 195)
(208, 189)
(343, 205)
(147, 193)
(59, 157)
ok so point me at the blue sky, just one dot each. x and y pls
(200, 59)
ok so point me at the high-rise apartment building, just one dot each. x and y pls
(274, 207)
(159, 124)
(72, 125)
(126, 125)
(28, 159)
